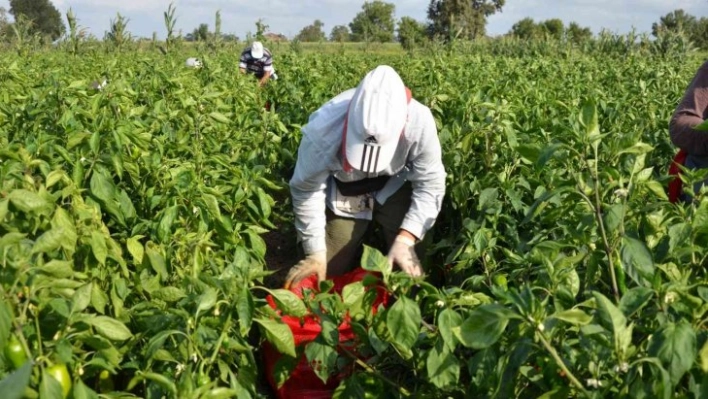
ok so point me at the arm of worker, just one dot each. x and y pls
(690, 113)
(308, 191)
(427, 176)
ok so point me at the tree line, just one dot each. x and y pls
(447, 20)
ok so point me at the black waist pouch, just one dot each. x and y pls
(359, 187)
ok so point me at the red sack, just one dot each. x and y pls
(676, 185)
(303, 382)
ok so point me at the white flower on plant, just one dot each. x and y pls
(621, 368)
(593, 383)
(670, 297)
(179, 368)
(440, 303)
(195, 210)
(83, 159)
(540, 327)
(621, 193)
(195, 358)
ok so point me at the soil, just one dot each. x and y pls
(281, 254)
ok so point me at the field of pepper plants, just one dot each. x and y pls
(133, 217)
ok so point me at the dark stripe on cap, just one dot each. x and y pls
(363, 158)
(376, 162)
(371, 158)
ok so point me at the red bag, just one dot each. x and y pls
(676, 185)
(303, 382)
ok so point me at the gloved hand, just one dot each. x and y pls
(402, 253)
(315, 263)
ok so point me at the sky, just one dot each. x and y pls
(289, 16)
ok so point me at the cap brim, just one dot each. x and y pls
(256, 54)
(368, 158)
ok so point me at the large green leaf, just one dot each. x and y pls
(675, 345)
(637, 261)
(278, 334)
(403, 322)
(442, 366)
(483, 327)
(14, 384)
(108, 327)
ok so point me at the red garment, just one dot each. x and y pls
(676, 185)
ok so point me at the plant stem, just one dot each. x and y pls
(369, 369)
(560, 363)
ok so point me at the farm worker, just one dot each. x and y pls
(692, 111)
(257, 60)
(370, 154)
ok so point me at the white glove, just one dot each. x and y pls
(402, 253)
(315, 263)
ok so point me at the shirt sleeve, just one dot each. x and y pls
(427, 176)
(308, 191)
(268, 64)
(689, 113)
(244, 60)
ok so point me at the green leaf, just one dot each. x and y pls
(108, 327)
(49, 387)
(278, 334)
(219, 117)
(81, 299)
(28, 201)
(703, 357)
(49, 241)
(245, 308)
(207, 300)
(374, 261)
(169, 294)
(609, 314)
(14, 384)
(483, 327)
(679, 236)
(322, 358)
(164, 228)
(443, 367)
(99, 299)
(136, 250)
(289, 303)
(99, 247)
(675, 345)
(703, 126)
(573, 316)
(81, 391)
(589, 119)
(157, 261)
(102, 186)
(449, 319)
(635, 299)
(637, 261)
(58, 268)
(403, 321)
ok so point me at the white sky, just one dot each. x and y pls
(289, 16)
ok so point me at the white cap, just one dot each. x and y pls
(257, 50)
(193, 63)
(377, 115)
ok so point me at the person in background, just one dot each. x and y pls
(258, 61)
(691, 112)
(369, 155)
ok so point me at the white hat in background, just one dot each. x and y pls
(193, 63)
(257, 50)
(377, 115)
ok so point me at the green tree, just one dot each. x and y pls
(46, 19)
(675, 21)
(451, 19)
(312, 33)
(4, 23)
(700, 33)
(553, 28)
(201, 33)
(525, 29)
(374, 23)
(577, 34)
(340, 33)
(411, 33)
